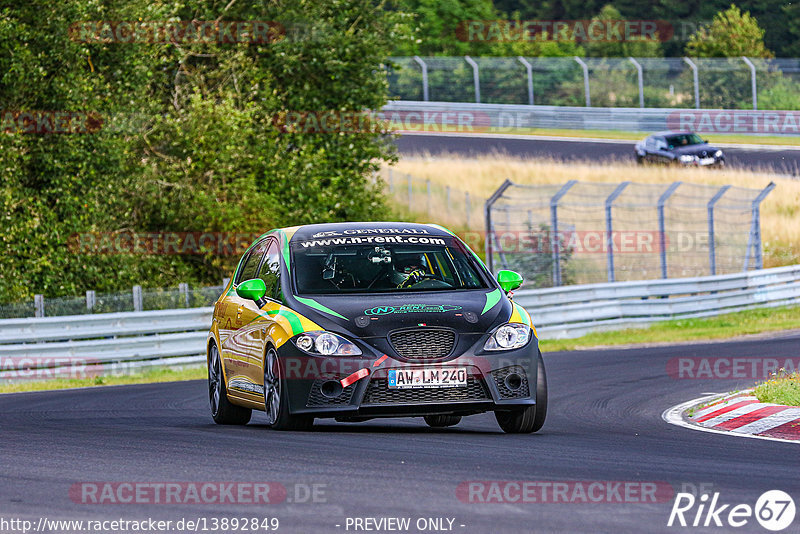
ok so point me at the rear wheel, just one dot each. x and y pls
(442, 421)
(276, 402)
(222, 410)
(531, 418)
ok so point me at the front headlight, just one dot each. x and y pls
(326, 344)
(509, 336)
(686, 158)
(718, 154)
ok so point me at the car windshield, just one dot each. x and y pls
(383, 264)
(684, 140)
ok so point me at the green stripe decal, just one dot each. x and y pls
(294, 321)
(317, 306)
(492, 299)
(524, 314)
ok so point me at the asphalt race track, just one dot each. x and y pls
(775, 159)
(604, 424)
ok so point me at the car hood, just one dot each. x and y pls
(702, 151)
(375, 315)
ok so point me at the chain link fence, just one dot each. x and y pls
(711, 83)
(137, 299)
(578, 233)
(422, 200)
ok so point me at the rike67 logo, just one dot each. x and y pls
(774, 510)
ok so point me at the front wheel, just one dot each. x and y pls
(442, 421)
(222, 410)
(276, 403)
(531, 418)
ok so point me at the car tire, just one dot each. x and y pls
(639, 159)
(442, 421)
(222, 410)
(531, 418)
(276, 398)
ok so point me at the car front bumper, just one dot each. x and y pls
(495, 380)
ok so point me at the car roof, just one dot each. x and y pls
(314, 231)
(670, 132)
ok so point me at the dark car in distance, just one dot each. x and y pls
(678, 148)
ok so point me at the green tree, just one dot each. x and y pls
(731, 34)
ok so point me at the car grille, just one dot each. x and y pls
(423, 343)
(316, 398)
(379, 393)
(505, 392)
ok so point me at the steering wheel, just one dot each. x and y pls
(415, 277)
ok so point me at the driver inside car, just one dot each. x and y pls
(410, 270)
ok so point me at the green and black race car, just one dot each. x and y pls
(361, 320)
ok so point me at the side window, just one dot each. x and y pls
(661, 143)
(650, 143)
(250, 264)
(271, 269)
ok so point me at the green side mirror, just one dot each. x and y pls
(509, 280)
(254, 289)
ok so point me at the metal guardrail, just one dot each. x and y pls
(103, 343)
(177, 337)
(572, 311)
(466, 117)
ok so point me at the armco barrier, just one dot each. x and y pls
(171, 338)
(177, 337)
(466, 118)
(572, 311)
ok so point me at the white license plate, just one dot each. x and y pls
(706, 161)
(427, 378)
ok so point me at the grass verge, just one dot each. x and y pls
(780, 140)
(146, 377)
(781, 388)
(723, 326)
(481, 176)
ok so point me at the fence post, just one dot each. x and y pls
(529, 68)
(610, 228)
(410, 192)
(183, 289)
(712, 253)
(38, 305)
(137, 298)
(696, 81)
(476, 78)
(662, 230)
(487, 215)
(586, 92)
(424, 67)
(555, 239)
(640, 76)
(754, 239)
(428, 187)
(91, 300)
(752, 81)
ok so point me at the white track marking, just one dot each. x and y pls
(771, 421)
(705, 411)
(674, 416)
(733, 414)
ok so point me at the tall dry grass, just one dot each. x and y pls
(780, 212)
